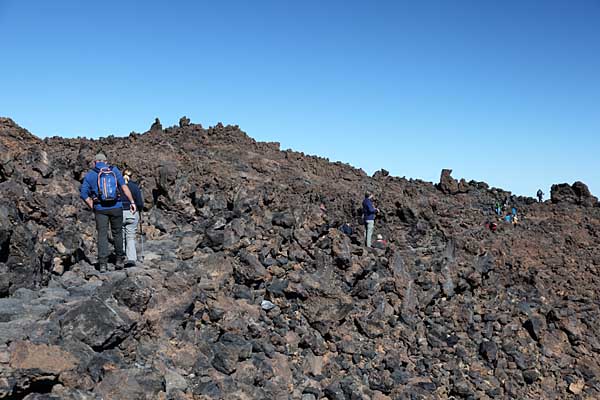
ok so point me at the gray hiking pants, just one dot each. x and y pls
(369, 232)
(130, 224)
(114, 217)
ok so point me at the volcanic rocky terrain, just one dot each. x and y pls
(248, 289)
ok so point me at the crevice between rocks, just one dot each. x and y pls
(43, 385)
(5, 237)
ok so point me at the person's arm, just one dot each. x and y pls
(89, 202)
(127, 194)
(84, 193)
(371, 207)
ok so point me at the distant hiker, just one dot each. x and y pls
(540, 195)
(369, 212)
(100, 191)
(131, 218)
(322, 208)
(498, 208)
(380, 243)
(492, 226)
(515, 219)
(514, 211)
(508, 218)
(346, 229)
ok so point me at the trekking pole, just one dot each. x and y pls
(141, 238)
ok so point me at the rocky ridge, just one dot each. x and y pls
(249, 291)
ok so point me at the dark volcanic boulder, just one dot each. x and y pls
(96, 323)
(250, 270)
(17, 252)
(578, 193)
(283, 219)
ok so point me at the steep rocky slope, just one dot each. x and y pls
(249, 291)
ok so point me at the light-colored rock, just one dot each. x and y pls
(47, 358)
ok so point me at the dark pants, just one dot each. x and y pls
(115, 218)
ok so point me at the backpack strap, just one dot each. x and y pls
(97, 170)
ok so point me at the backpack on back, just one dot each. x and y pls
(107, 185)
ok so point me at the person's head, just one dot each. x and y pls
(379, 237)
(100, 158)
(127, 175)
(368, 195)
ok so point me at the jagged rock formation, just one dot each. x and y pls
(156, 125)
(248, 290)
(184, 122)
(578, 193)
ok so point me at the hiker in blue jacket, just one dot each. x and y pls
(99, 191)
(130, 218)
(369, 211)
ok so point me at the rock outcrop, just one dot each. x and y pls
(578, 193)
(449, 185)
(248, 290)
(184, 122)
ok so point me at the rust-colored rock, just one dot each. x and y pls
(46, 358)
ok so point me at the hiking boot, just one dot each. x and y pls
(129, 263)
(102, 267)
(119, 262)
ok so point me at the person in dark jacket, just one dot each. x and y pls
(106, 213)
(131, 219)
(369, 211)
(346, 229)
(540, 195)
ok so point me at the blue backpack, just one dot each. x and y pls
(107, 185)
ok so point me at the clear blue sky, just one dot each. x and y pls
(502, 91)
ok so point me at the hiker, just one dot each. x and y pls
(380, 242)
(346, 229)
(540, 195)
(514, 211)
(323, 208)
(131, 219)
(498, 208)
(508, 218)
(369, 212)
(100, 192)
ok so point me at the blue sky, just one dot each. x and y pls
(505, 92)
